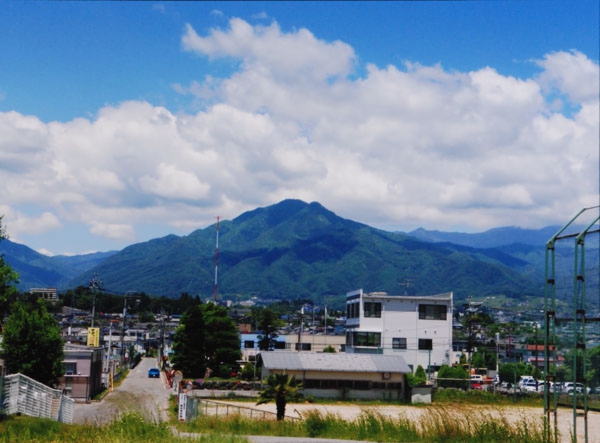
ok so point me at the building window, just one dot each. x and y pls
(425, 344)
(303, 346)
(372, 309)
(279, 345)
(433, 312)
(248, 344)
(70, 368)
(352, 310)
(368, 339)
(399, 343)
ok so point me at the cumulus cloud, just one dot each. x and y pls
(400, 147)
(572, 74)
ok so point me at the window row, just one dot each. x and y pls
(348, 384)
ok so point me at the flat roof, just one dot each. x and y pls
(333, 362)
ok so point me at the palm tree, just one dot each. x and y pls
(281, 388)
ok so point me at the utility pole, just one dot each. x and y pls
(95, 285)
(216, 262)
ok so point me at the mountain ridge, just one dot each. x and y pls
(298, 249)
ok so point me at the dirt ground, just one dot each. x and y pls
(509, 413)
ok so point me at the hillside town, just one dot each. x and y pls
(395, 333)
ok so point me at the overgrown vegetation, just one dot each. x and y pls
(439, 424)
(131, 428)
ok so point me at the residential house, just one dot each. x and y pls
(417, 328)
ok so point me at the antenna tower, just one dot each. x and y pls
(216, 262)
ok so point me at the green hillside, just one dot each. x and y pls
(298, 250)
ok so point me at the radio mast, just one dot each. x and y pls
(216, 262)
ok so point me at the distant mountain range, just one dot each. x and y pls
(295, 249)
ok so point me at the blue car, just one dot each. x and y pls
(154, 373)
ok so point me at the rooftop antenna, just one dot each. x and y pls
(216, 262)
(406, 283)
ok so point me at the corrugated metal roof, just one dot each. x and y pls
(330, 362)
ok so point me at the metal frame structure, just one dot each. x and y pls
(579, 320)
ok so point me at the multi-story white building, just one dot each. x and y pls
(418, 328)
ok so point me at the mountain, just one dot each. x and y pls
(297, 249)
(39, 271)
(494, 238)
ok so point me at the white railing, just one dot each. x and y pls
(20, 394)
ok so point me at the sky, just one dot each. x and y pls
(121, 122)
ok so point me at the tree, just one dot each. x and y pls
(223, 347)
(32, 343)
(418, 378)
(281, 388)
(8, 279)
(206, 338)
(189, 342)
(267, 321)
(452, 377)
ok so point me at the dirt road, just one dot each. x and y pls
(137, 393)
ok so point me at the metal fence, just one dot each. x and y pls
(20, 394)
(211, 407)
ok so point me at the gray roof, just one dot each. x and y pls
(334, 362)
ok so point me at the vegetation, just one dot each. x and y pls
(440, 424)
(206, 338)
(281, 388)
(8, 279)
(130, 428)
(32, 343)
(419, 378)
(267, 322)
(452, 377)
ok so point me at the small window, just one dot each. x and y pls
(248, 344)
(425, 344)
(70, 368)
(433, 312)
(372, 309)
(399, 343)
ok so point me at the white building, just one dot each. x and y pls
(418, 328)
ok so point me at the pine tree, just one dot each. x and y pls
(189, 344)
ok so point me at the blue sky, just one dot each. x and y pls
(125, 121)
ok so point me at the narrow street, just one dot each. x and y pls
(137, 393)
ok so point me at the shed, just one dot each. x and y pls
(340, 375)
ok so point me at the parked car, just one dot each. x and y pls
(153, 373)
(572, 388)
(531, 385)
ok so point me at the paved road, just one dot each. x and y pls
(137, 393)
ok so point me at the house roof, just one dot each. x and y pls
(334, 362)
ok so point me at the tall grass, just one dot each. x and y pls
(466, 425)
(130, 428)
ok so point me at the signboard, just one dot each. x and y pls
(182, 409)
(93, 337)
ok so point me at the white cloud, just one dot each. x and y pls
(573, 74)
(402, 147)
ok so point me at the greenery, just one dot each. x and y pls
(440, 424)
(267, 322)
(299, 250)
(452, 377)
(8, 279)
(419, 378)
(206, 338)
(32, 343)
(130, 428)
(281, 388)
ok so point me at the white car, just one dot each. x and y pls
(571, 388)
(531, 385)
